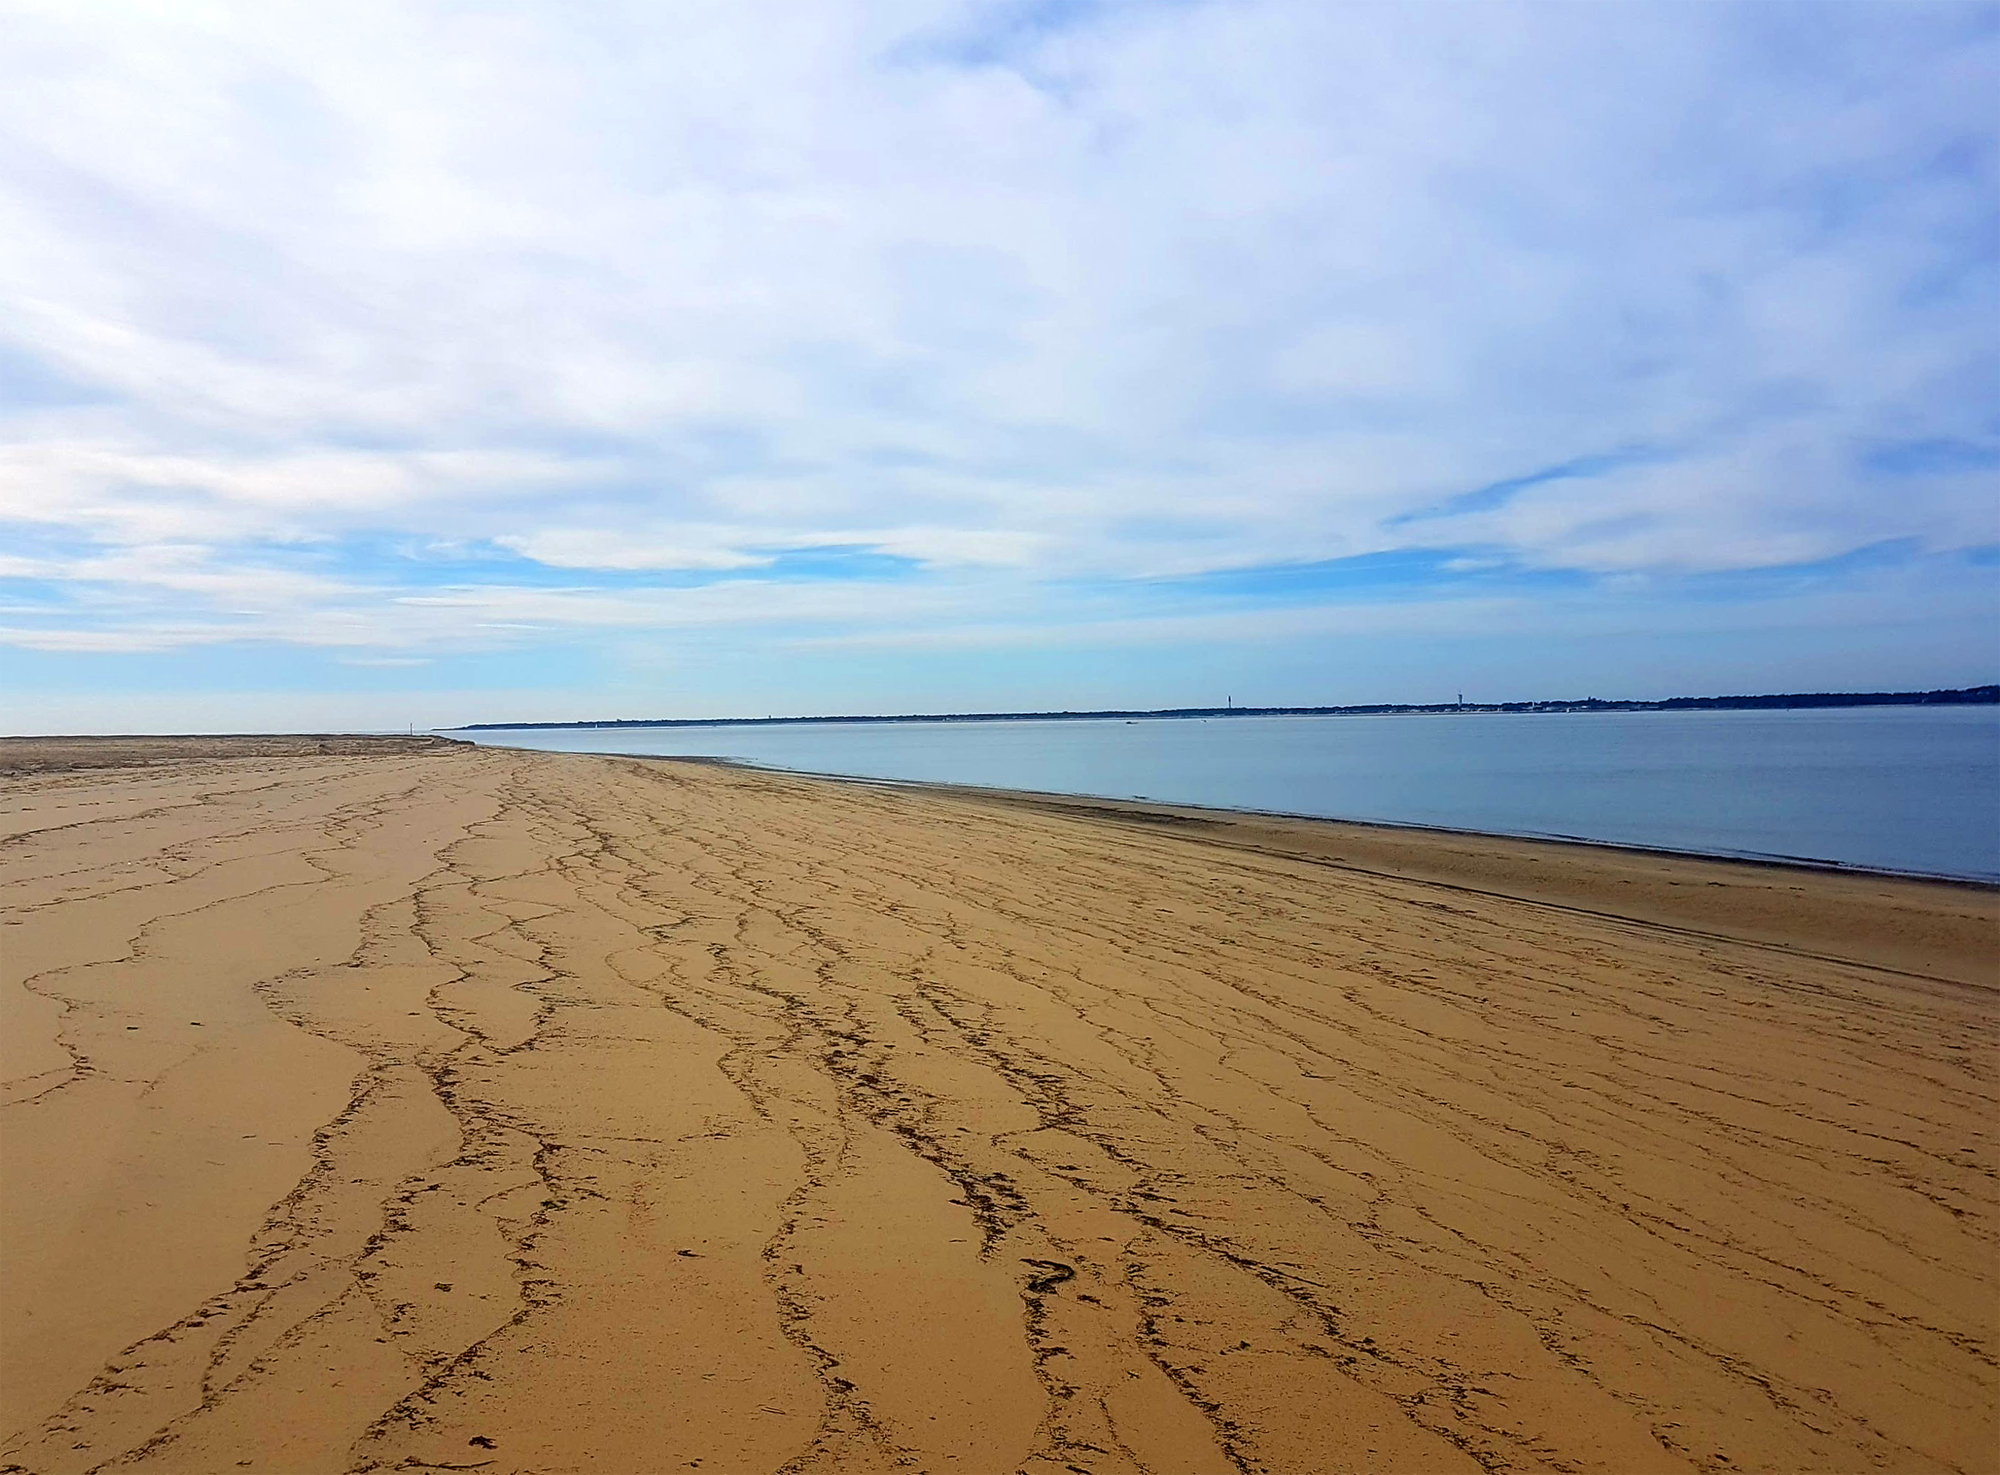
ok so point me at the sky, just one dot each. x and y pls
(412, 363)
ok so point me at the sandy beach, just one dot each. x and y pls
(394, 1105)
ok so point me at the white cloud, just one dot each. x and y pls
(588, 548)
(1150, 291)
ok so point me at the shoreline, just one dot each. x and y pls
(417, 1106)
(1859, 807)
(1438, 856)
(1110, 804)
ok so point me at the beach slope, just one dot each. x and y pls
(406, 1106)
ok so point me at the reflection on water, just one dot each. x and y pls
(1896, 788)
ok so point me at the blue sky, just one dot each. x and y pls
(392, 363)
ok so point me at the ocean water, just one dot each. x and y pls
(1888, 788)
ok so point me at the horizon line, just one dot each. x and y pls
(1983, 695)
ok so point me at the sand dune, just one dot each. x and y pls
(421, 1108)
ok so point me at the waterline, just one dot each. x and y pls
(1903, 789)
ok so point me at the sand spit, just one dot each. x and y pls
(423, 1108)
(20, 755)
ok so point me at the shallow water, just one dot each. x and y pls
(1890, 788)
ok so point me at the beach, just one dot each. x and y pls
(391, 1104)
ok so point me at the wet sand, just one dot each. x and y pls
(403, 1106)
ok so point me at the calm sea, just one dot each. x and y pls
(1889, 788)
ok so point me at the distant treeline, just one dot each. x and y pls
(1960, 697)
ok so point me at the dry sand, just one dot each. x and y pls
(409, 1107)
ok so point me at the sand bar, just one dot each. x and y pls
(403, 1106)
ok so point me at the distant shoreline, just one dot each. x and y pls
(1966, 696)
